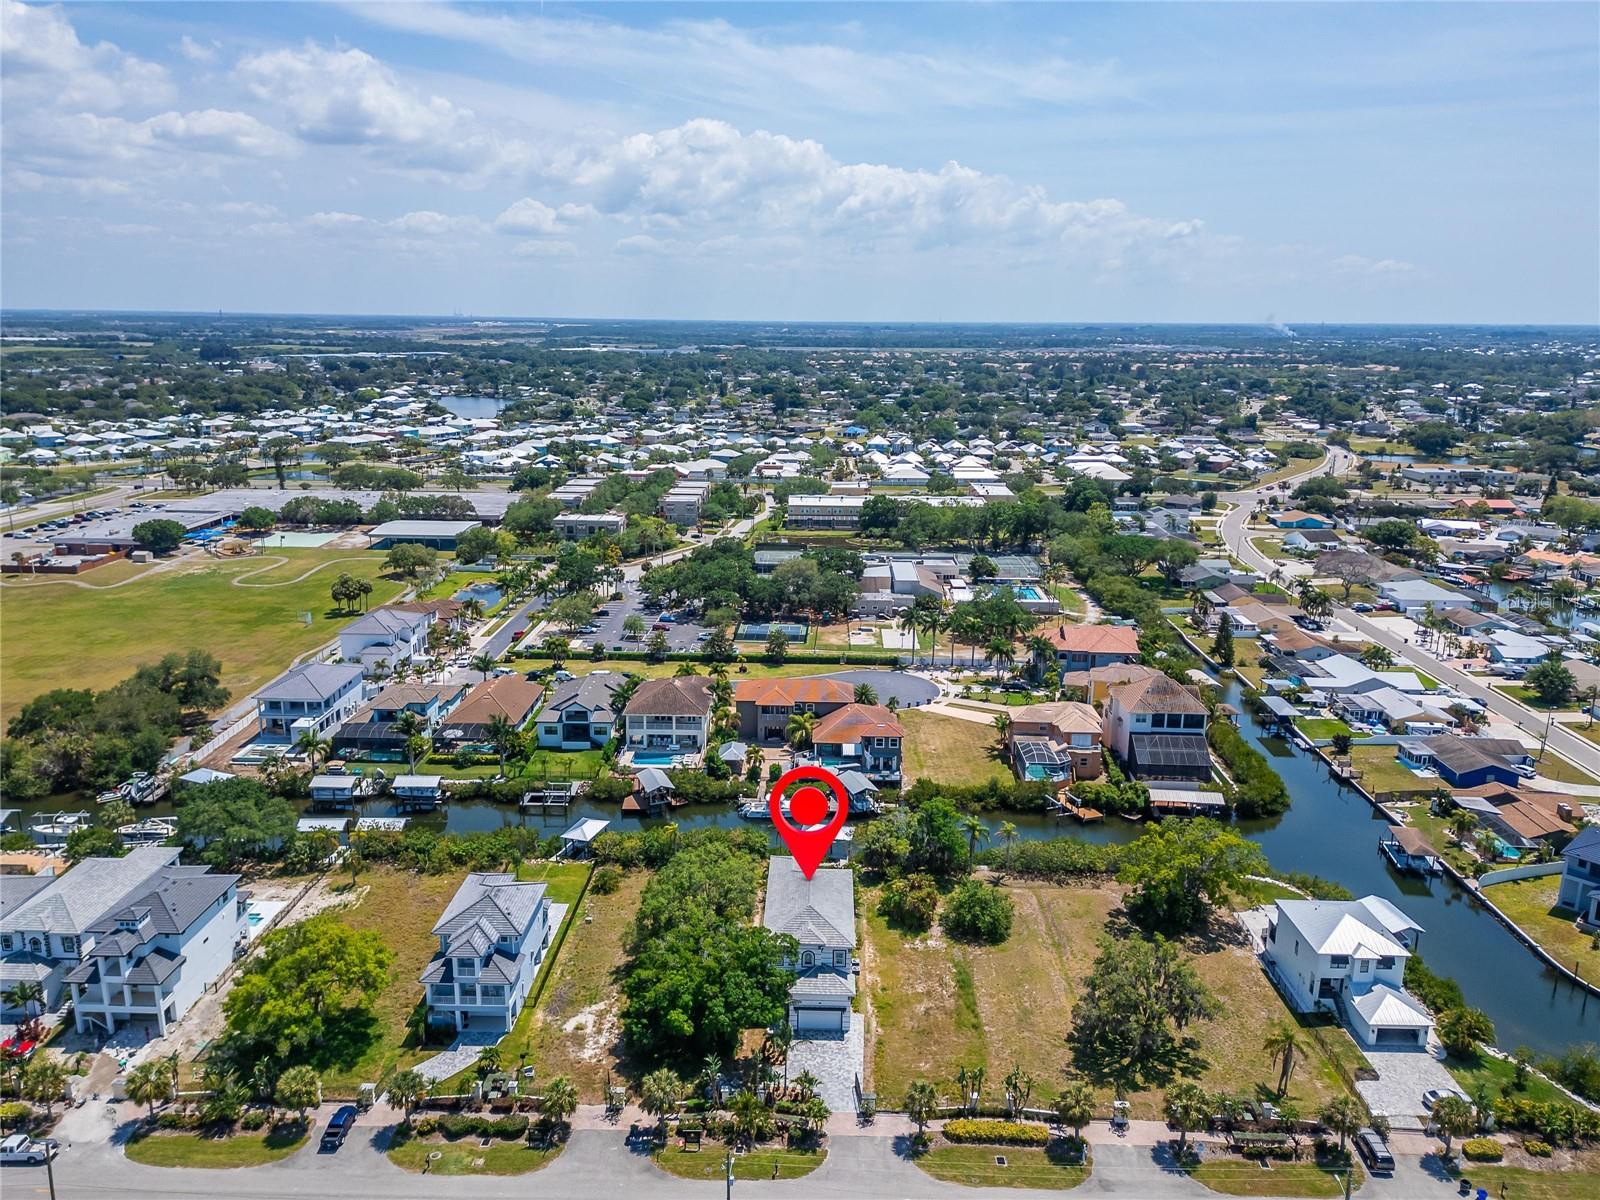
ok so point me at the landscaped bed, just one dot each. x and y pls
(159, 1148)
(467, 1156)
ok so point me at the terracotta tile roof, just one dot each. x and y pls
(856, 721)
(1094, 639)
(799, 690)
(511, 696)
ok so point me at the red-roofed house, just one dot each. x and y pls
(1083, 647)
(866, 737)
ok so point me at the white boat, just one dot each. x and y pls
(754, 810)
(57, 827)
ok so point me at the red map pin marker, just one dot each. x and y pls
(808, 806)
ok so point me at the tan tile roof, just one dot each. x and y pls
(799, 690)
(1158, 694)
(1069, 716)
(856, 721)
(685, 696)
(1094, 639)
(511, 696)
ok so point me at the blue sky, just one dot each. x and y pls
(1081, 162)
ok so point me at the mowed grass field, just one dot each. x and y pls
(951, 750)
(937, 1005)
(59, 635)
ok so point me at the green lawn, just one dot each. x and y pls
(1501, 1076)
(764, 1163)
(467, 1157)
(254, 628)
(975, 1166)
(1522, 1184)
(202, 1150)
(1381, 771)
(556, 764)
(1531, 903)
(582, 665)
(1241, 1177)
(1322, 729)
(951, 750)
(563, 881)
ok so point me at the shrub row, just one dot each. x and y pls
(1555, 1121)
(1259, 790)
(823, 658)
(999, 1133)
(456, 1126)
(995, 794)
(1055, 859)
(15, 1112)
(1483, 1150)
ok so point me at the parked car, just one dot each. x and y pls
(1374, 1151)
(518, 634)
(339, 1126)
(20, 1148)
(1432, 1096)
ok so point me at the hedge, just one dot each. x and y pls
(1555, 1121)
(455, 1127)
(1056, 859)
(816, 657)
(1483, 1150)
(999, 1133)
(993, 794)
(1260, 790)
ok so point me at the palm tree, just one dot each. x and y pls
(1000, 654)
(1454, 1118)
(1283, 1042)
(27, 996)
(1343, 1116)
(921, 1105)
(503, 736)
(410, 725)
(150, 1084)
(977, 832)
(807, 1083)
(560, 1100)
(1187, 1107)
(1002, 725)
(314, 746)
(710, 1073)
(1199, 606)
(660, 1093)
(799, 729)
(866, 694)
(406, 1090)
(752, 1120)
(1008, 835)
(483, 663)
(1075, 1106)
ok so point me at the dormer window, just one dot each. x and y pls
(808, 959)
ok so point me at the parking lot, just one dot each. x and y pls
(36, 538)
(681, 635)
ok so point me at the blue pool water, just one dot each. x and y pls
(487, 594)
(655, 758)
(1026, 591)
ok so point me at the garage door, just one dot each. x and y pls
(812, 1020)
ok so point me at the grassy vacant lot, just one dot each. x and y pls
(936, 1006)
(1322, 729)
(574, 1028)
(765, 1163)
(951, 750)
(401, 908)
(202, 1150)
(254, 627)
(1238, 1177)
(1381, 771)
(556, 764)
(1531, 903)
(1523, 1184)
(466, 1157)
(974, 1166)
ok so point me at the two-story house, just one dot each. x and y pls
(1580, 876)
(765, 705)
(1055, 741)
(862, 737)
(1157, 728)
(314, 696)
(669, 715)
(580, 713)
(1083, 647)
(158, 952)
(372, 733)
(1349, 956)
(492, 937)
(820, 914)
(508, 697)
(385, 635)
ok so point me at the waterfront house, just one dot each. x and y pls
(158, 951)
(492, 937)
(581, 713)
(1097, 682)
(1413, 596)
(1521, 818)
(313, 696)
(385, 635)
(1516, 649)
(861, 737)
(371, 733)
(1055, 741)
(1465, 762)
(1349, 957)
(765, 705)
(820, 914)
(1157, 729)
(1580, 876)
(508, 696)
(669, 715)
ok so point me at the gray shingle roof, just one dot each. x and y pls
(311, 681)
(816, 911)
(503, 905)
(593, 693)
(86, 894)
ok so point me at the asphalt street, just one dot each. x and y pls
(1568, 745)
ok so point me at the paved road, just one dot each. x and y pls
(1563, 742)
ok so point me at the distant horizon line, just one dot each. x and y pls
(1275, 324)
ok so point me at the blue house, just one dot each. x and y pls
(1465, 762)
(1296, 519)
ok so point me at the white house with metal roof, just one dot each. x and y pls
(820, 914)
(316, 696)
(1349, 957)
(492, 937)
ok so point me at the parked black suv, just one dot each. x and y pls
(339, 1125)
(1374, 1151)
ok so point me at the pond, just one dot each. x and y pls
(472, 408)
(486, 594)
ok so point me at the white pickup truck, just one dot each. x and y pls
(19, 1148)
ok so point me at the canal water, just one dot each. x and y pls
(1330, 831)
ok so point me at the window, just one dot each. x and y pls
(1339, 961)
(1366, 966)
(1158, 721)
(1386, 963)
(808, 959)
(1194, 721)
(5, 941)
(69, 945)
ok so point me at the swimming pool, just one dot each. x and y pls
(655, 758)
(486, 594)
(1026, 591)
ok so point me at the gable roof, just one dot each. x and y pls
(510, 696)
(1094, 639)
(678, 696)
(176, 898)
(74, 902)
(1068, 716)
(592, 693)
(489, 903)
(1365, 928)
(854, 722)
(802, 689)
(816, 911)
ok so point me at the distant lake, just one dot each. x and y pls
(472, 407)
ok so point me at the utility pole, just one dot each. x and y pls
(50, 1170)
(727, 1166)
